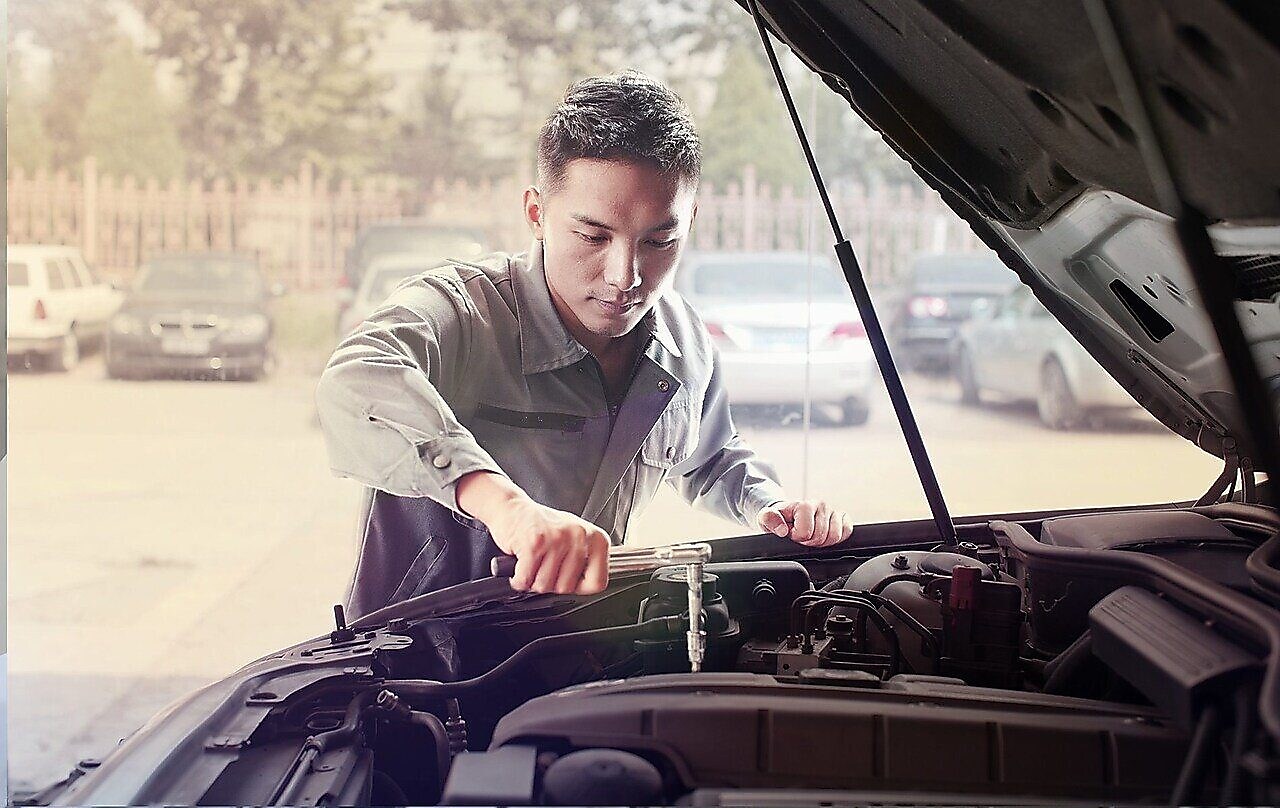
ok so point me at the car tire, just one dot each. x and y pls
(68, 354)
(855, 412)
(1055, 403)
(970, 393)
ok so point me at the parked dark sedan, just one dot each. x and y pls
(939, 294)
(204, 315)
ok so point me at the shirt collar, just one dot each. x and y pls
(545, 344)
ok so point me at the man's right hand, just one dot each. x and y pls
(555, 551)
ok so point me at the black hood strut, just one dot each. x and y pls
(875, 333)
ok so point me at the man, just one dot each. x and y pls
(532, 404)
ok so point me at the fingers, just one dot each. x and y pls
(817, 524)
(575, 561)
(802, 527)
(596, 574)
(772, 521)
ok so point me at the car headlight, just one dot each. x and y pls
(127, 324)
(250, 326)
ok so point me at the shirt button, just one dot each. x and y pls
(664, 385)
(440, 461)
(671, 452)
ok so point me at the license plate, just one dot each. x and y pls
(184, 346)
(783, 341)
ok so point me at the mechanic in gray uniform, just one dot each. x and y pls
(532, 404)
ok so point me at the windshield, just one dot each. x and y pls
(428, 241)
(385, 280)
(17, 274)
(976, 270)
(230, 276)
(751, 278)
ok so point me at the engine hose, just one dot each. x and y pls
(1202, 744)
(316, 745)
(654, 629)
(1245, 708)
(864, 606)
(926, 636)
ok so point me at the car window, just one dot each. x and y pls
(71, 276)
(57, 278)
(758, 277)
(201, 274)
(17, 274)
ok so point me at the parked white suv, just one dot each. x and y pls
(57, 305)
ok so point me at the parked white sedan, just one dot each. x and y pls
(781, 336)
(57, 306)
(1017, 350)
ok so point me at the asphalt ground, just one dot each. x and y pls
(161, 534)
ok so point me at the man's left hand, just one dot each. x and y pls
(811, 523)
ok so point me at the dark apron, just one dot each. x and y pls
(413, 545)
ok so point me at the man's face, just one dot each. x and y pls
(612, 234)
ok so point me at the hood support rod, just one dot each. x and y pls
(875, 333)
(1214, 282)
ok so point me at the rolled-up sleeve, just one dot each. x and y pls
(724, 475)
(384, 419)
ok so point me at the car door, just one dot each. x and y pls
(60, 303)
(997, 346)
(1037, 331)
(99, 299)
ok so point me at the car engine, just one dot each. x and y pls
(1115, 657)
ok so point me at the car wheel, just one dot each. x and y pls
(970, 393)
(856, 412)
(1055, 402)
(68, 354)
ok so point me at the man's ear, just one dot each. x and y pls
(533, 211)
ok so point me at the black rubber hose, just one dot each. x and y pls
(1202, 745)
(654, 629)
(1062, 668)
(316, 745)
(864, 606)
(906, 617)
(1245, 708)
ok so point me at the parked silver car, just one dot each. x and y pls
(1016, 349)
(775, 346)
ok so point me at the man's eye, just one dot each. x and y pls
(662, 244)
(590, 239)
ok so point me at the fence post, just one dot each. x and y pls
(306, 218)
(749, 207)
(89, 216)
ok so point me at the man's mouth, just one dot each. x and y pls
(615, 308)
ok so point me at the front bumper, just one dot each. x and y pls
(771, 378)
(133, 355)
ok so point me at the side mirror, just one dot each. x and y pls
(278, 289)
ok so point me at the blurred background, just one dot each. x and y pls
(204, 196)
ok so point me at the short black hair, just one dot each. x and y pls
(624, 117)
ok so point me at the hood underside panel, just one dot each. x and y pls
(1011, 105)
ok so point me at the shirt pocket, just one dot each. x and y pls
(673, 438)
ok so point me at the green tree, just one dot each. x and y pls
(437, 139)
(28, 142)
(748, 125)
(270, 84)
(77, 34)
(126, 124)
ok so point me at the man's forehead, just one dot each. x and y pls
(612, 195)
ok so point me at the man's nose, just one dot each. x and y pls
(623, 270)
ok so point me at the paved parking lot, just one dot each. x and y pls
(163, 533)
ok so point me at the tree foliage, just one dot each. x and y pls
(748, 125)
(270, 83)
(127, 125)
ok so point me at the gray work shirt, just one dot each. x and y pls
(468, 367)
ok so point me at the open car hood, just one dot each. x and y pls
(1009, 112)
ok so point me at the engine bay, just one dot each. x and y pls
(1108, 657)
